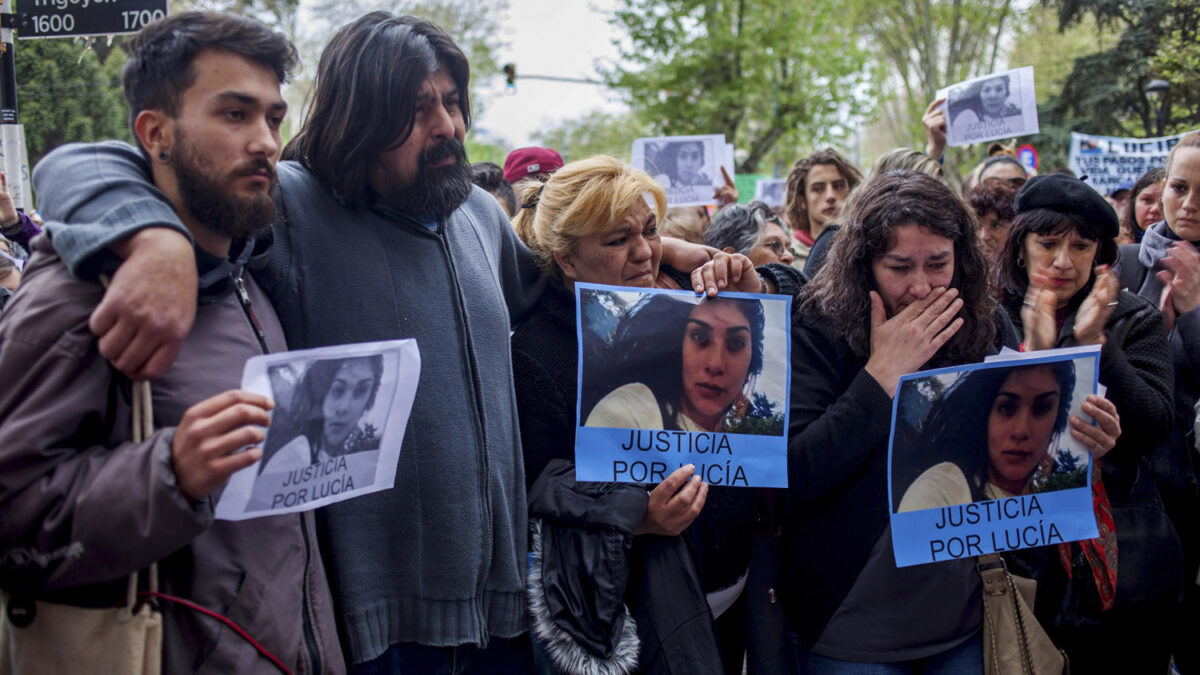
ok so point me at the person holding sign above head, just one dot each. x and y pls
(905, 288)
(987, 103)
(1029, 407)
(595, 221)
(1057, 284)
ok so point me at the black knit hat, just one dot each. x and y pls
(1070, 196)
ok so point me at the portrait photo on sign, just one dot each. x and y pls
(1002, 429)
(675, 360)
(996, 434)
(770, 191)
(996, 106)
(688, 167)
(336, 428)
(668, 378)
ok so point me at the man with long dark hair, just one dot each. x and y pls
(379, 235)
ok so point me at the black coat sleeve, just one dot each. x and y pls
(840, 416)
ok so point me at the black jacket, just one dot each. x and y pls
(837, 478)
(1135, 366)
(586, 568)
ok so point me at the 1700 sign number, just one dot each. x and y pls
(68, 18)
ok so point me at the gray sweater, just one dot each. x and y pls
(440, 558)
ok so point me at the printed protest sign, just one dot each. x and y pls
(669, 378)
(981, 460)
(1110, 161)
(688, 167)
(995, 106)
(771, 191)
(339, 419)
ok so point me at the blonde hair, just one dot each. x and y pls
(585, 197)
(908, 160)
(684, 222)
(1190, 140)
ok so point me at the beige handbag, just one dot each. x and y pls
(61, 638)
(1014, 643)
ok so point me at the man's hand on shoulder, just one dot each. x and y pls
(150, 304)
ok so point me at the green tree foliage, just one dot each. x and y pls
(921, 46)
(278, 14)
(484, 149)
(762, 72)
(596, 133)
(1105, 91)
(475, 26)
(67, 94)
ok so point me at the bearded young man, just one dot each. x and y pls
(379, 235)
(204, 104)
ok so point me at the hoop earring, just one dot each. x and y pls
(1021, 262)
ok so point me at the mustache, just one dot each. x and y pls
(448, 148)
(255, 166)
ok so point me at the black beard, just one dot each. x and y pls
(210, 201)
(437, 192)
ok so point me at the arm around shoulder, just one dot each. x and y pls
(95, 194)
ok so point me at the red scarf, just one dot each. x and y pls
(1101, 552)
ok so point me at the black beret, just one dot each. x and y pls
(1070, 196)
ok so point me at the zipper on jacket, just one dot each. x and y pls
(310, 641)
(479, 427)
(244, 298)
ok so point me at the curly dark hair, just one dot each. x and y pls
(959, 419)
(795, 209)
(992, 196)
(840, 290)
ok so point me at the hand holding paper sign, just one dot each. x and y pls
(726, 272)
(672, 509)
(901, 344)
(1100, 437)
(935, 128)
(204, 449)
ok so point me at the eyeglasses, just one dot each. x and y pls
(777, 247)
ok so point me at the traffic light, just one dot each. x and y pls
(510, 75)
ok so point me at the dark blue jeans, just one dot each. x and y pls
(965, 659)
(499, 657)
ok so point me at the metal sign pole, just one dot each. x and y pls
(8, 66)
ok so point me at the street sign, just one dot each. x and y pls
(1028, 158)
(72, 18)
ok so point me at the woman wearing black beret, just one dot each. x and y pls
(1057, 286)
